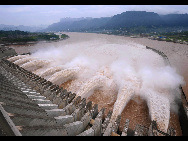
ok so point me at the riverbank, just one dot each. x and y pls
(22, 38)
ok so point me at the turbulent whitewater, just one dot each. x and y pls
(94, 63)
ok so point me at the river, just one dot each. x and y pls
(136, 110)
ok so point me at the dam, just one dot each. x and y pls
(66, 100)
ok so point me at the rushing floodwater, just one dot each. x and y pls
(118, 73)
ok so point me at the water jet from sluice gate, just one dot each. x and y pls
(50, 71)
(120, 57)
(35, 64)
(125, 93)
(92, 84)
(15, 58)
(159, 107)
(23, 60)
(62, 76)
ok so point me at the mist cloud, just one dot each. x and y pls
(108, 63)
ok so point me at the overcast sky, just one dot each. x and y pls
(47, 14)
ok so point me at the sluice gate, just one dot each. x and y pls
(33, 106)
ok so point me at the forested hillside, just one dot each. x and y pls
(129, 19)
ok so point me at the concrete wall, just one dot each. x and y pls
(5, 51)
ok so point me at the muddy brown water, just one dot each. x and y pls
(136, 110)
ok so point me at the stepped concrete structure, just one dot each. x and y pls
(6, 51)
(33, 106)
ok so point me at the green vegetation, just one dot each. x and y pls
(176, 36)
(24, 37)
(64, 36)
(47, 37)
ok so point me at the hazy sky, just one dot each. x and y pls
(48, 14)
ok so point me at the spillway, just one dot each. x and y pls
(23, 60)
(126, 92)
(80, 68)
(50, 71)
(35, 64)
(62, 76)
(92, 84)
(159, 108)
(15, 58)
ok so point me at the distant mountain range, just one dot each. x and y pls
(128, 19)
(22, 27)
(78, 24)
(123, 20)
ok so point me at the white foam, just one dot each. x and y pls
(102, 59)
